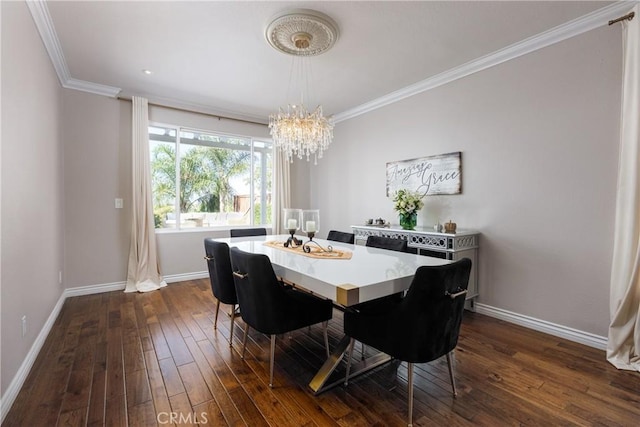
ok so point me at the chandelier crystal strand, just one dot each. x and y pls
(296, 131)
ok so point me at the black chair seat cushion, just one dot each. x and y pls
(419, 327)
(268, 305)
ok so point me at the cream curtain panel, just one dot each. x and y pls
(282, 188)
(623, 347)
(144, 272)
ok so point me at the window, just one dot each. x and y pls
(206, 179)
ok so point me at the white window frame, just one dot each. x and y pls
(252, 149)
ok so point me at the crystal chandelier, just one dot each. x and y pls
(294, 129)
(298, 132)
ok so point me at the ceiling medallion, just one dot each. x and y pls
(302, 32)
(295, 130)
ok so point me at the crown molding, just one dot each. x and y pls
(42, 18)
(197, 108)
(44, 24)
(557, 34)
(595, 19)
(90, 87)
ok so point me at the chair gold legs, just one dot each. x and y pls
(453, 381)
(273, 355)
(244, 340)
(450, 361)
(215, 322)
(410, 392)
(233, 318)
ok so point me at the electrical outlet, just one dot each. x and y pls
(24, 325)
(119, 203)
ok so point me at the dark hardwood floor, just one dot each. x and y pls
(154, 359)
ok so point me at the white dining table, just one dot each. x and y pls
(369, 274)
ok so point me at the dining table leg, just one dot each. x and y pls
(320, 382)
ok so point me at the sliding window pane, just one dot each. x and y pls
(214, 180)
(162, 156)
(263, 171)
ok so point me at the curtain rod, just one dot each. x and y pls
(628, 16)
(126, 98)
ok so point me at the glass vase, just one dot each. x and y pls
(408, 221)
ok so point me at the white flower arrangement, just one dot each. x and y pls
(407, 202)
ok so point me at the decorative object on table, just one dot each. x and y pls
(428, 176)
(314, 251)
(450, 227)
(311, 225)
(292, 218)
(407, 204)
(369, 221)
(437, 227)
(301, 33)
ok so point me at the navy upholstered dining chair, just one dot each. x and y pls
(271, 307)
(245, 232)
(421, 326)
(381, 242)
(341, 236)
(221, 278)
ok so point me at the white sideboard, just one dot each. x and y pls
(451, 246)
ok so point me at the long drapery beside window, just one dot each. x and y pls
(623, 347)
(282, 184)
(143, 272)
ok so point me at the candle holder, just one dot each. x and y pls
(311, 225)
(292, 218)
(292, 241)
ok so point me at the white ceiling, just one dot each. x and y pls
(214, 55)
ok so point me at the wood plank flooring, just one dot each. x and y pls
(121, 359)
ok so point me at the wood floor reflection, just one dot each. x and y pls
(154, 359)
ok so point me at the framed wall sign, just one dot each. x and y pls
(428, 176)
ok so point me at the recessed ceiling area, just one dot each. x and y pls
(214, 55)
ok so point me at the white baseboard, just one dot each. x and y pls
(94, 289)
(18, 380)
(561, 331)
(186, 276)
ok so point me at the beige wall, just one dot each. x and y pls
(31, 180)
(97, 159)
(539, 142)
(98, 169)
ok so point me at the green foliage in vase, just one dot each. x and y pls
(407, 202)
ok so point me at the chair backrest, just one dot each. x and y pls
(269, 306)
(220, 272)
(431, 311)
(381, 242)
(260, 294)
(341, 236)
(244, 232)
